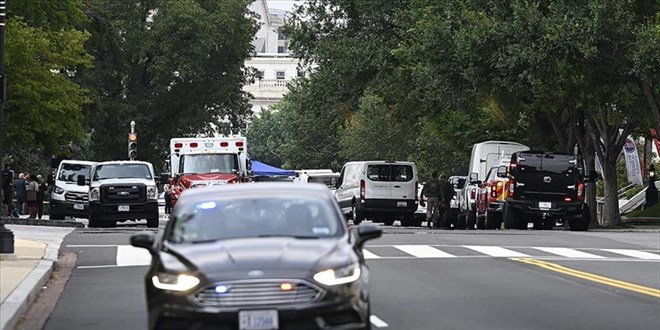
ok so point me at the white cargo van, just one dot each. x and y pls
(485, 155)
(380, 190)
(67, 198)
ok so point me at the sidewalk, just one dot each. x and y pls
(25, 272)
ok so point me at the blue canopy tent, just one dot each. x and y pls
(261, 169)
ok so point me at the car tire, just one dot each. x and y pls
(549, 223)
(471, 220)
(93, 223)
(460, 224)
(368, 325)
(56, 216)
(481, 222)
(410, 221)
(356, 215)
(493, 220)
(152, 222)
(581, 222)
(513, 218)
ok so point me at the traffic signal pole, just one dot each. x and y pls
(132, 142)
(6, 235)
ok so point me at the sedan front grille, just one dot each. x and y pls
(76, 197)
(257, 293)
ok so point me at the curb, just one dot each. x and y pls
(27, 291)
(37, 222)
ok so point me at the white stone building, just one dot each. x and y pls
(276, 67)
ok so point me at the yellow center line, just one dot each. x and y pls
(591, 277)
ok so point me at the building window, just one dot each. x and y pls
(279, 75)
(281, 49)
(260, 74)
(281, 35)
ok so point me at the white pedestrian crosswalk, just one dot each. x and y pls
(127, 255)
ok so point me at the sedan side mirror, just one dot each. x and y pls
(145, 241)
(367, 232)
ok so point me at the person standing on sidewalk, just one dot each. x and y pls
(32, 191)
(20, 186)
(8, 193)
(431, 190)
(41, 194)
(168, 199)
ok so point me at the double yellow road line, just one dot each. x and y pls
(591, 277)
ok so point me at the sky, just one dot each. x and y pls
(282, 4)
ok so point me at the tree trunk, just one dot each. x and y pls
(581, 135)
(652, 100)
(590, 191)
(611, 215)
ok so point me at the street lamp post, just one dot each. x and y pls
(6, 235)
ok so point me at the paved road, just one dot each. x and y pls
(425, 280)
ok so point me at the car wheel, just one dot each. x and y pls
(152, 222)
(55, 216)
(460, 224)
(493, 220)
(513, 219)
(356, 215)
(549, 223)
(581, 223)
(481, 222)
(93, 223)
(410, 221)
(471, 220)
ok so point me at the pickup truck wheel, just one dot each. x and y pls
(460, 224)
(581, 223)
(513, 219)
(356, 215)
(471, 220)
(549, 223)
(152, 222)
(93, 223)
(55, 216)
(493, 220)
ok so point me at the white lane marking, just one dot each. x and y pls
(90, 245)
(128, 255)
(635, 254)
(569, 253)
(369, 255)
(108, 266)
(424, 251)
(495, 251)
(377, 322)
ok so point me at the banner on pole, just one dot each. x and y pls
(632, 162)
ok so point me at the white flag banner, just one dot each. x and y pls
(632, 162)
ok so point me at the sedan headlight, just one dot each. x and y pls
(94, 195)
(174, 282)
(343, 275)
(152, 193)
(58, 190)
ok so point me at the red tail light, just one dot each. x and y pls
(362, 188)
(224, 144)
(193, 145)
(513, 166)
(497, 190)
(568, 199)
(178, 145)
(473, 194)
(580, 192)
(239, 143)
(512, 187)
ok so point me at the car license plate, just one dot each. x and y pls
(401, 204)
(258, 320)
(545, 205)
(78, 206)
(124, 208)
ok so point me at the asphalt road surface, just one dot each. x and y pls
(424, 279)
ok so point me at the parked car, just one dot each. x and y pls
(458, 182)
(258, 256)
(492, 194)
(546, 187)
(68, 198)
(485, 155)
(379, 190)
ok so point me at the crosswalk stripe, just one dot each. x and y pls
(495, 251)
(424, 251)
(128, 255)
(369, 255)
(635, 254)
(377, 322)
(569, 253)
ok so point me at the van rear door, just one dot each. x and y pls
(378, 184)
(403, 182)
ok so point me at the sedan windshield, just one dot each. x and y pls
(243, 217)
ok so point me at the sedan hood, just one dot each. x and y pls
(281, 257)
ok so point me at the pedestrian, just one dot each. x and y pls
(21, 194)
(446, 194)
(41, 195)
(32, 192)
(168, 198)
(431, 191)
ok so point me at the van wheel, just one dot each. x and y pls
(410, 221)
(581, 222)
(356, 215)
(471, 220)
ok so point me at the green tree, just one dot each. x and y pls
(174, 67)
(266, 136)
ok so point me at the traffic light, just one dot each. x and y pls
(132, 146)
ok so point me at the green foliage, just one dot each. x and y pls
(651, 212)
(173, 67)
(266, 136)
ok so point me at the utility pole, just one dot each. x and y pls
(6, 235)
